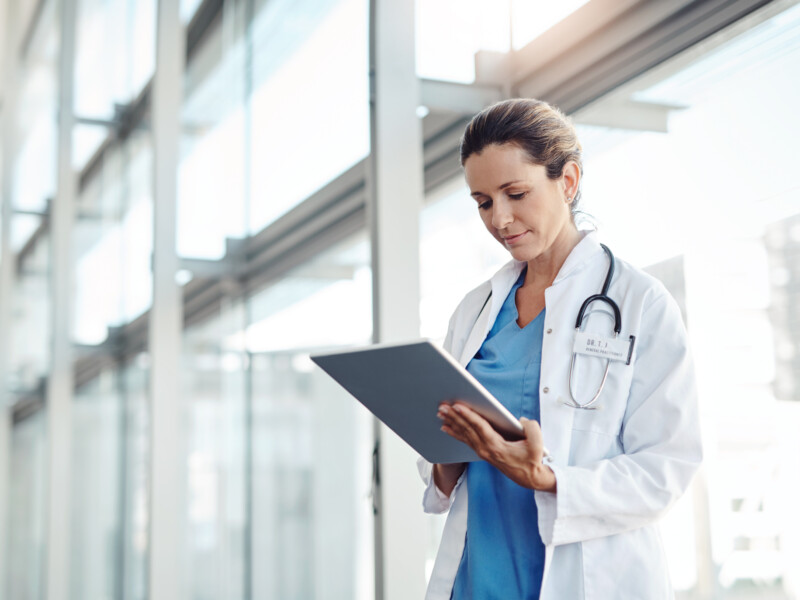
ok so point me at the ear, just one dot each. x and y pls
(570, 179)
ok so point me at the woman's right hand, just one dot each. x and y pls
(446, 476)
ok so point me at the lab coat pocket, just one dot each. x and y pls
(609, 408)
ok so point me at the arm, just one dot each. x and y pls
(446, 476)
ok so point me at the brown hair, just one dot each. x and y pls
(541, 130)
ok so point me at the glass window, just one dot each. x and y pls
(531, 18)
(312, 514)
(109, 486)
(451, 32)
(271, 115)
(113, 240)
(135, 512)
(279, 469)
(30, 322)
(310, 111)
(213, 164)
(115, 54)
(214, 383)
(26, 526)
(98, 421)
(114, 60)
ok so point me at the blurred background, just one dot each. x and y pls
(197, 194)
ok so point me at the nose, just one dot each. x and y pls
(502, 215)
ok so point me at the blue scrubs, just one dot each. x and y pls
(504, 554)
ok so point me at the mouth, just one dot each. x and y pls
(510, 239)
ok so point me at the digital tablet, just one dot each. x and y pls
(403, 385)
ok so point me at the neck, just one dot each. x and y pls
(544, 268)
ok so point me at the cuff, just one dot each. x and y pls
(547, 507)
(433, 499)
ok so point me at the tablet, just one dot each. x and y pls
(403, 385)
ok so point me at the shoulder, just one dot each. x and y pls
(647, 306)
(634, 282)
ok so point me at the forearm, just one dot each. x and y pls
(445, 477)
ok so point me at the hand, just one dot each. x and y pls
(520, 461)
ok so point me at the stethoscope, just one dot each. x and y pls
(601, 297)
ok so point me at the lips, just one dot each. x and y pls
(510, 239)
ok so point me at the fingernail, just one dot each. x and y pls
(457, 408)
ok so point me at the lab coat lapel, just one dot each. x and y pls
(562, 299)
(502, 282)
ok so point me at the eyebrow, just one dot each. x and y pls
(502, 187)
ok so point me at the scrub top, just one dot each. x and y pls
(503, 553)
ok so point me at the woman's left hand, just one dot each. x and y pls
(520, 461)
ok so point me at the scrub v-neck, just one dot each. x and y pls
(504, 554)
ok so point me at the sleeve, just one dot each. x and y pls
(660, 438)
(435, 501)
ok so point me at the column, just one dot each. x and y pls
(396, 193)
(168, 475)
(7, 98)
(60, 383)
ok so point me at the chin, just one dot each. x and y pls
(524, 254)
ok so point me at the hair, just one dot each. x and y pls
(541, 130)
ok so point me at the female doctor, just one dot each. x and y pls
(579, 522)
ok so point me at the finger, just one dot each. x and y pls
(455, 433)
(450, 424)
(458, 427)
(480, 435)
(477, 423)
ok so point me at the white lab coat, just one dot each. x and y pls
(619, 468)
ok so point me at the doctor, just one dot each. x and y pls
(581, 521)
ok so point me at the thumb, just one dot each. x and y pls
(533, 437)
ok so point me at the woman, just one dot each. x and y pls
(581, 521)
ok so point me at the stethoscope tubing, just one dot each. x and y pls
(601, 297)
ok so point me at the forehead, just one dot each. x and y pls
(497, 165)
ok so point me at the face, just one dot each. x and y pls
(525, 210)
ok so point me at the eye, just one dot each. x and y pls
(519, 196)
(485, 205)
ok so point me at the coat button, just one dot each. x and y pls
(545, 390)
(549, 331)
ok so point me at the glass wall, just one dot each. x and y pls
(311, 469)
(33, 184)
(214, 375)
(279, 467)
(26, 531)
(113, 241)
(276, 107)
(109, 485)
